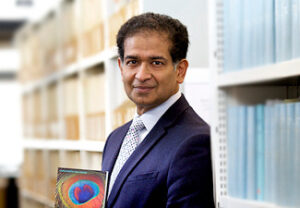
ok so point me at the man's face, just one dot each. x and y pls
(147, 70)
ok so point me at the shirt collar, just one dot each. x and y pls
(151, 117)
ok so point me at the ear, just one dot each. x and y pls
(120, 66)
(181, 70)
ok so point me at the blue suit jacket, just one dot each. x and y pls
(170, 168)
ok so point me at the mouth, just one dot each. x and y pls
(143, 89)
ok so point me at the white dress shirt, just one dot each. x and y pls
(151, 117)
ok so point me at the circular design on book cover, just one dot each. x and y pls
(81, 191)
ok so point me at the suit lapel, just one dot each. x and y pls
(151, 139)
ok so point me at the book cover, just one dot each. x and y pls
(81, 188)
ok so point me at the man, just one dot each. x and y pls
(162, 157)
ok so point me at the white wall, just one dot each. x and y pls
(10, 127)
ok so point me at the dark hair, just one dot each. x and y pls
(176, 31)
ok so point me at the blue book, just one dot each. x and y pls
(269, 32)
(259, 32)
(296, 155)
(282, 154)
(232, 118)
(278, 34)
(289, 157)
(276, 126)
(232, 34)
(241, 151)
(268, 150)
(247, 54)
(272, 150)
(283, 29)
(259, 111)
(251, 154)
(295, 41)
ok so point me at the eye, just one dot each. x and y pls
(157, 63)
(131, 62)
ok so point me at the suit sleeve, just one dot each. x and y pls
(190, 183)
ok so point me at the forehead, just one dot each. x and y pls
(147, 43)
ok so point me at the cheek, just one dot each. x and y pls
(127, 82)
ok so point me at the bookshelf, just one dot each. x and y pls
(72, 91)
(256, 97)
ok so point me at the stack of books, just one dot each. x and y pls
(263, 152)
(260, 32)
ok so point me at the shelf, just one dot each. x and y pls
(93, 146)
(238, 203)
(260, 74)
(36, 197)
(98, 58)
(73, 68)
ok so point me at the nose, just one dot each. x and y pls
(143, 73)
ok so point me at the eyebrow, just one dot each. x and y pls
(131, 57)
(158, 57)
(151, 57)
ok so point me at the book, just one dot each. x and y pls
(269, 32)
(232, 115)
(295, 40)
(251, 165)
(81, 188)
(241, 151)
(283, 30)
(268, 150)
(260, 152)
(288, 153)
(296, 153)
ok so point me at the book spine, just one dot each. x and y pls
(251, 175)
(268, 150)
(296, 155)
(242, 151)
(281, 157)
(259, 26)
(283, 29)
(288, 171)
(232, 147)
(269, 36)
(246, 46)
(295, 40)
(260, 152)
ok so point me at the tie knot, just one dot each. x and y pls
(138, 124)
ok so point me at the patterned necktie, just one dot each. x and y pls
(129, 144)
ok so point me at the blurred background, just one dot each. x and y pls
(61, 87)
